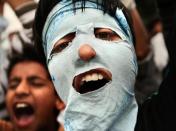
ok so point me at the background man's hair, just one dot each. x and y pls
(28, 54)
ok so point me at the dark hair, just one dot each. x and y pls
(28, 54)
(45, 6)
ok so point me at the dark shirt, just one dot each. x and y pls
(158, 113)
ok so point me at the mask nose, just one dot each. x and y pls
(86, 52)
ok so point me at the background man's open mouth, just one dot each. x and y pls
(24, 114)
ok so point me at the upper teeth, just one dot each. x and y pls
(21, 105)
(92, 77)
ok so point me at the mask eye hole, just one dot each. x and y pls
(63, 43)
(106, 34)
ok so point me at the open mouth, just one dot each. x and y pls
(23, 113)
(91, 80)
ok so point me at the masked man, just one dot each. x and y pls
(88, 48)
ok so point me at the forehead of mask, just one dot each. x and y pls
(69, 22)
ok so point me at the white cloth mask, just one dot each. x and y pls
(113, 106)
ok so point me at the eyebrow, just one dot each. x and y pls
(14, 79)
(31, 78)
(66, 37)
(104, 29)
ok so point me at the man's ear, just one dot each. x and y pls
(60, 104)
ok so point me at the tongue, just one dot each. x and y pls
(25, 120)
